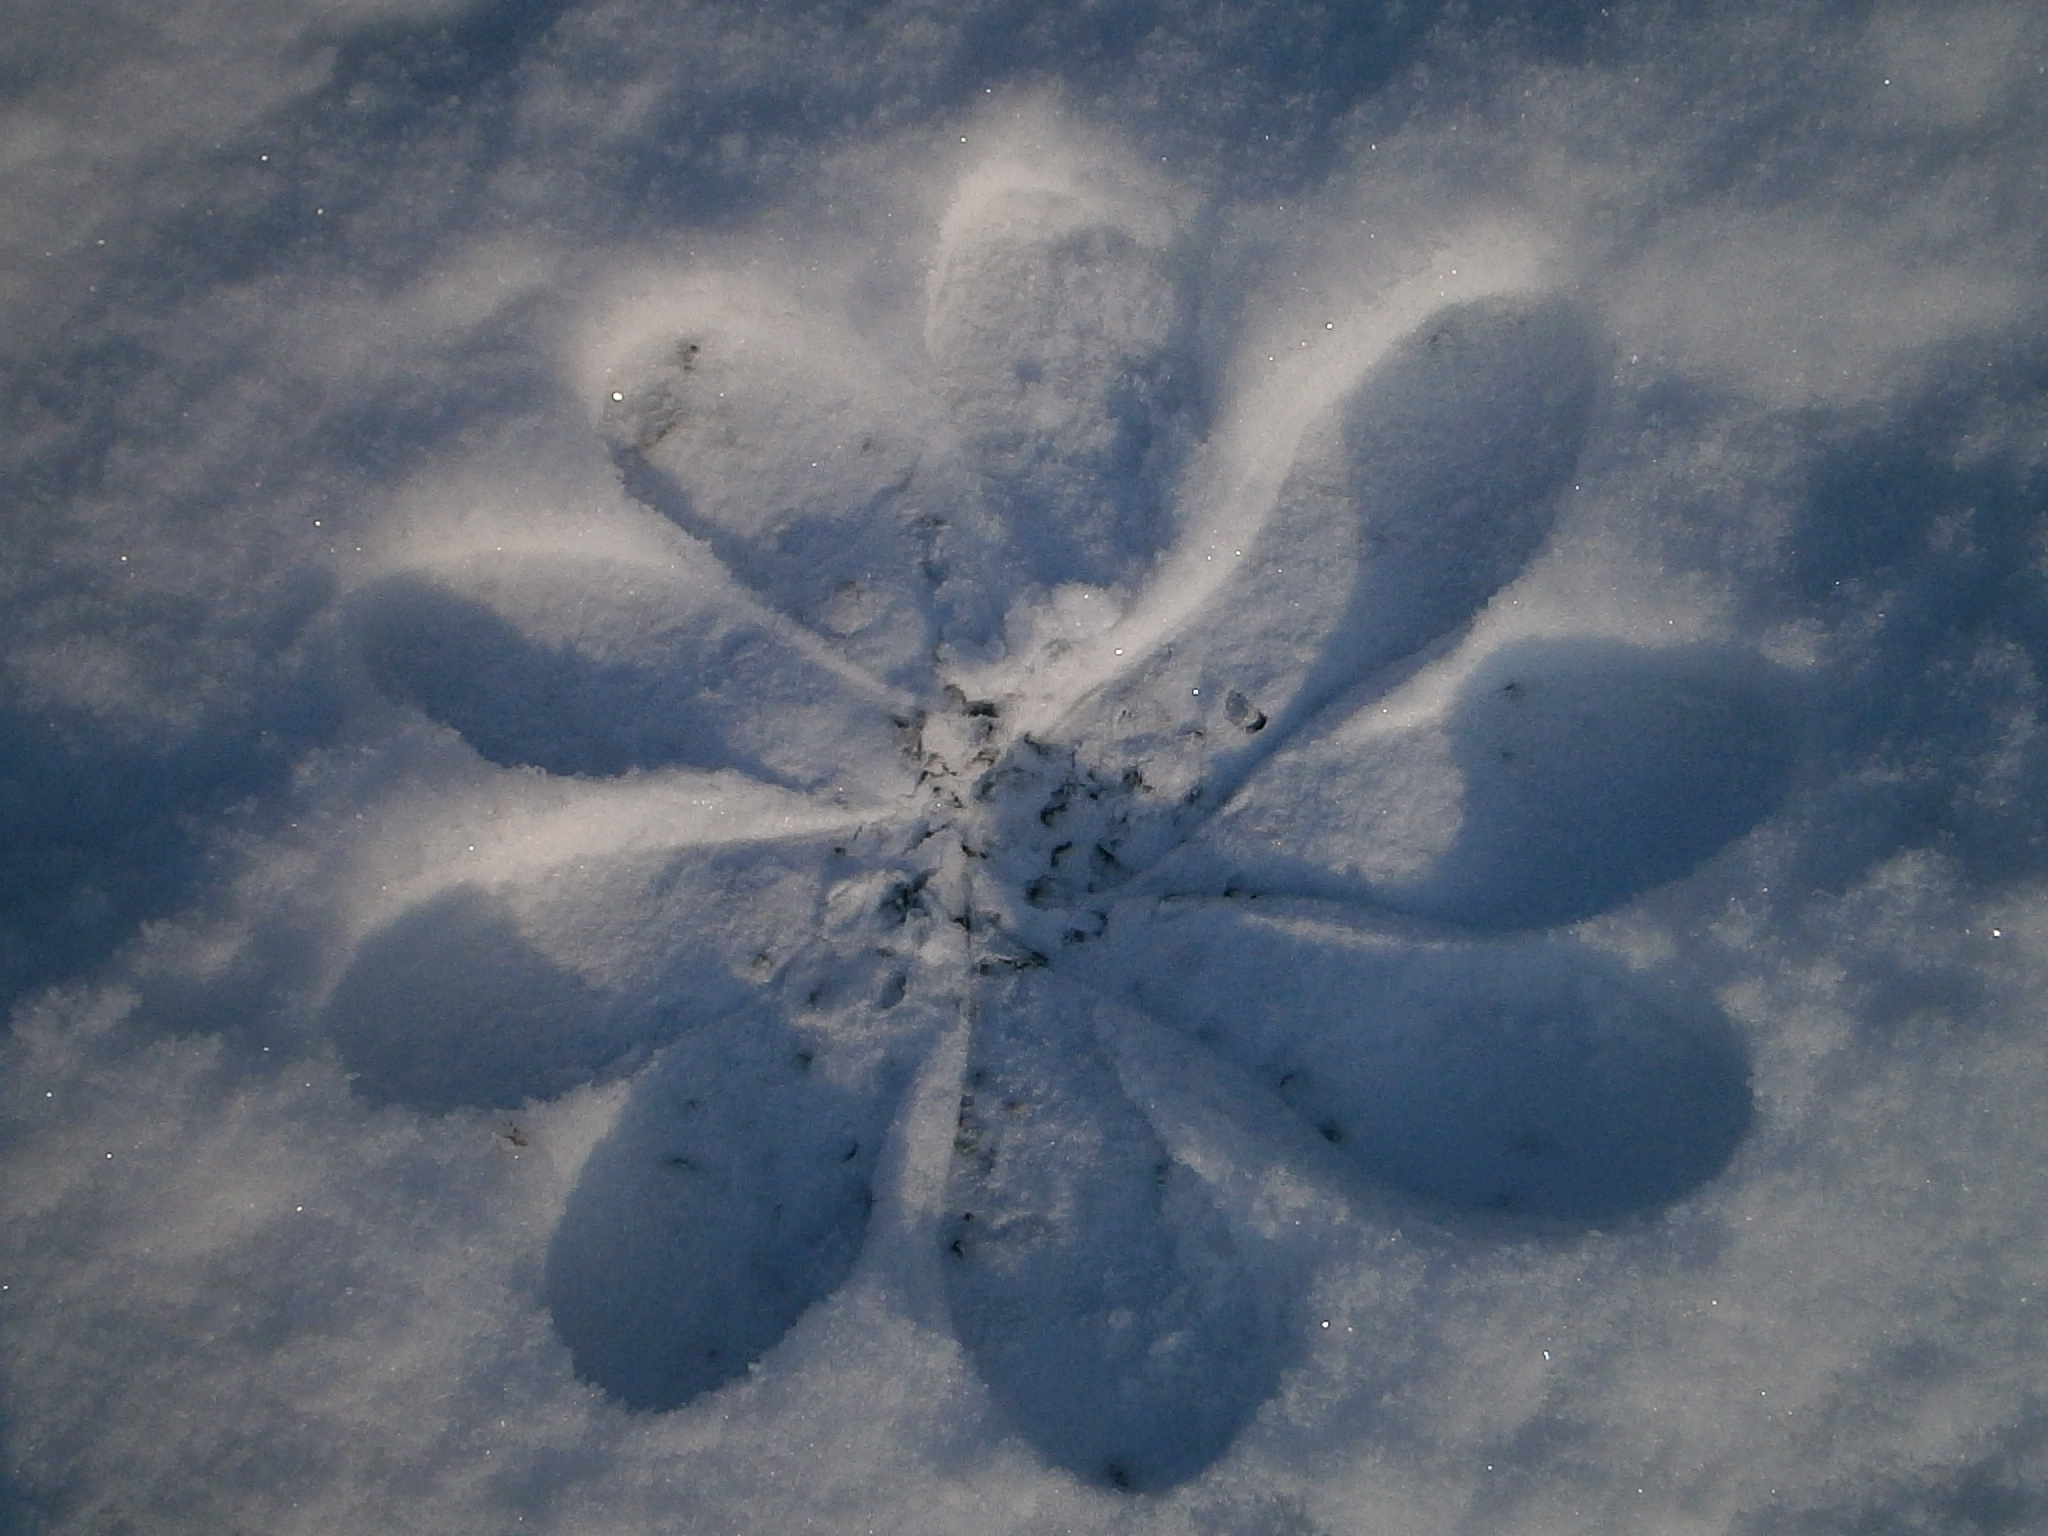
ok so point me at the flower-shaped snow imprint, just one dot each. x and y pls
(1197, 839)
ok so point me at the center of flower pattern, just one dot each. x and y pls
(1042, 696)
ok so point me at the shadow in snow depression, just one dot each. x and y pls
(1101, 1294)
(1567, 777)
(1458, 445)
(1521, 1077)
(1594, 771)
(520, 701)
(596, 668)
(448, 1005)
(733, 1193)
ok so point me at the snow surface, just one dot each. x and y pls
(1184, 768)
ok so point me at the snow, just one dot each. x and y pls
(1218, 770)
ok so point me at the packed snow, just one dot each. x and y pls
(1228, 772)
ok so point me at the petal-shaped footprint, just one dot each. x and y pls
(1060, 330)
(765, 430)
(1092, 1279)
(490, 996)
(733, 1193)
(1524, 1078)
(448, 1004)
(599, 667)
(1567, 777)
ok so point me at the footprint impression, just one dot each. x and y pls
(1061, 876)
